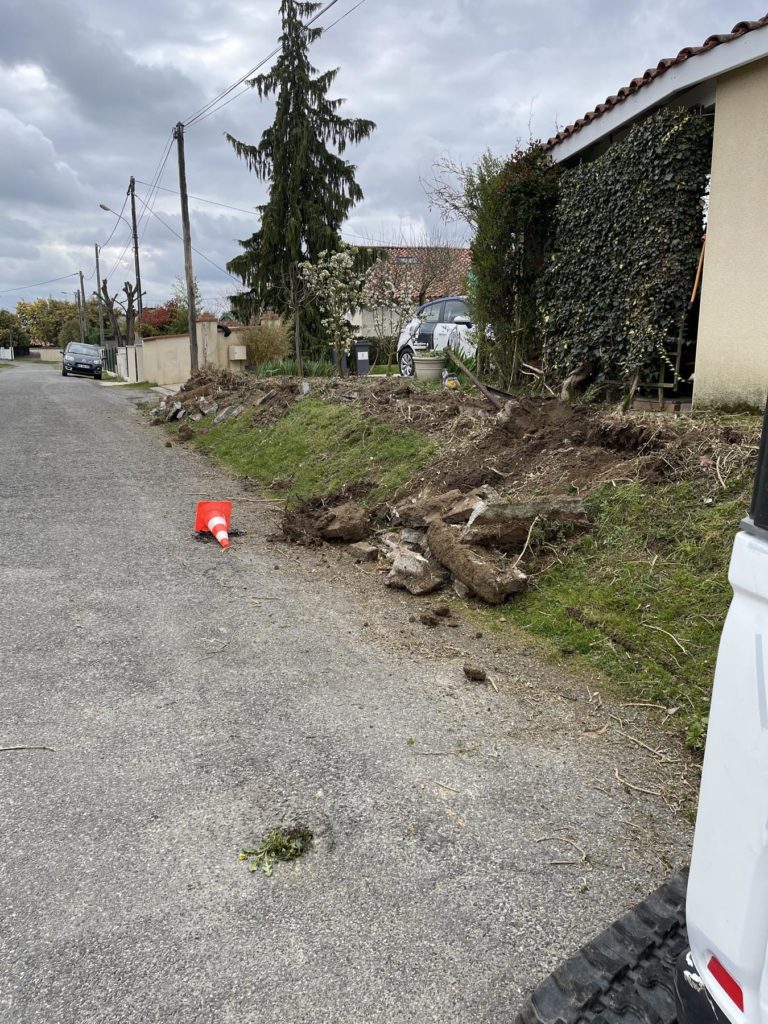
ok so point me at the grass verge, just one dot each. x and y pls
(642, 598)
(321, 448)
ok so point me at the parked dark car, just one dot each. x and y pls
(79, 358)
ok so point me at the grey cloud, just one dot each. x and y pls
(92, 92)
(100, 77)
(31, 170)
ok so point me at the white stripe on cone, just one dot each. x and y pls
(218, 527)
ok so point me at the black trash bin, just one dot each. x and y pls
(362, 357)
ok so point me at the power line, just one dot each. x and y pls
(255, 213)
(200, 199)
(176, 233)
(156, 179)
(38, 284)
(117, 221)
(198, 113)
(216, 103)
(343, 16)
(207, 110)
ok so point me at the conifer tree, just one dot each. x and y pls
(311, 187)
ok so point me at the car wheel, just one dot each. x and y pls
(405, 361)
(97, 376)
(63, 372)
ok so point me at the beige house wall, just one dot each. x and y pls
(368, 322)
(130, 363)
(732, 350)
(46, 355)
(166, 358)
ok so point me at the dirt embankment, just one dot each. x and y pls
(500, 487)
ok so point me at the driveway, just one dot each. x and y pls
(467, 838)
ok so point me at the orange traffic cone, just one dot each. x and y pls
(214, 516)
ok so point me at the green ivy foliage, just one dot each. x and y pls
(626, 240)
(515, 202)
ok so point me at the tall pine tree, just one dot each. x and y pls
(311, 187)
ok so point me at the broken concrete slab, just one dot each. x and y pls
(264, 397)
(505, 524)
(462, 511)
(420, 511)
(414, 572)
(223, 415)
(491, 578)
(173, 411)
(206, 405)
(361, 551)
(414, 538)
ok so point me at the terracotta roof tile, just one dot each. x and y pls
(738, 30)
(437, 270)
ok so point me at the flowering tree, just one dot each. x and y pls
(335, 285)
(388, 294)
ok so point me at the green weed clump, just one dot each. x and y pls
(290, 368)
(279, 844)
(322, 449)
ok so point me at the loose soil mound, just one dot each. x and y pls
(533, 447)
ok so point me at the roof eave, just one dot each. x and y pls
(678, 79)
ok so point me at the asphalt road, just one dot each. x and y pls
(193, 698)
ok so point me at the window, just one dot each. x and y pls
(454, 308)
(431, 314)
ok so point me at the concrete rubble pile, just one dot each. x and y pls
(474, 539)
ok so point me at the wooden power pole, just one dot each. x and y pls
(98, 293)
(178, 134)
(80, 315)
(132, 194)
(83, 309)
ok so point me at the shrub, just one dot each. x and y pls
(266, 342)
(515, 202)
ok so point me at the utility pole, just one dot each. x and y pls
(83, 308)
(80, 316)
(178, 134)
(132, 194)
(98, 292)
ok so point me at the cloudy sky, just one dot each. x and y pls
(89, 93)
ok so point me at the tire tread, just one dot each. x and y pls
(622, 976)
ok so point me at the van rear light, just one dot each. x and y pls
(728, 984)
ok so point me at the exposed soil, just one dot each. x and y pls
(532, 448)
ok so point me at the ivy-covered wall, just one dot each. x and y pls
(624, 249)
